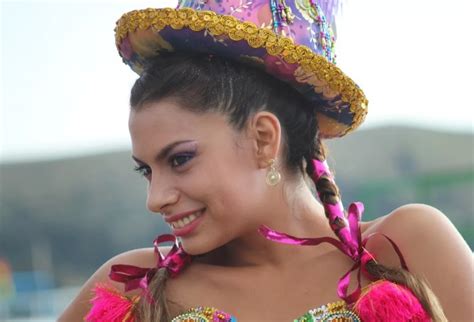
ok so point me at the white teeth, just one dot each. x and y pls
(185, 221)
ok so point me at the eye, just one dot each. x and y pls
(175, 161)
(178, 160)
(143, 170)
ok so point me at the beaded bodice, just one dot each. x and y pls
(336, 311)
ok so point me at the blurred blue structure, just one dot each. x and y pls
(35, 298)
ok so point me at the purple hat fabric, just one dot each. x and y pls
(291, 39)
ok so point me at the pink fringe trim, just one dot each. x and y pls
(382, 301)
(109, 305)
(389, 302)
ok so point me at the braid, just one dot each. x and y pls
(329, 195)
(327, 190)
(158, 309)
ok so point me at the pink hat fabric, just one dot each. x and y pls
(291, 39)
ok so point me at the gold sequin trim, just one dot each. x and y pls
(275, 45)
(331, 312)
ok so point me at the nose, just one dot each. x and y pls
(161, 195)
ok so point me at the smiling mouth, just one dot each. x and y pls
(183, 222)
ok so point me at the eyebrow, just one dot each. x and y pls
(164, 152)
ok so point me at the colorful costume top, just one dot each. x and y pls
(381, 301)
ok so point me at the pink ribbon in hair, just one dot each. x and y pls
(350, 240)
(137, 277)
(344, 229)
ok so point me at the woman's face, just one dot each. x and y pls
(202, 175)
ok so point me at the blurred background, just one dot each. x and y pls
(69, 199)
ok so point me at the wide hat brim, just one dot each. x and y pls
(340, 105)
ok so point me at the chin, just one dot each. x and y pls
(198, 246)
(194, 251)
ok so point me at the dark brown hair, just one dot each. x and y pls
(203, 84)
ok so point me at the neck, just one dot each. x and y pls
(303, 216)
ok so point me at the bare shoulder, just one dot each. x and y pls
(143, 257)
(415, 228)
(433, 249)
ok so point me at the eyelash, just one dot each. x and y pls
(146, 171)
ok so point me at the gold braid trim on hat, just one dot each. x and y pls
(275, 45)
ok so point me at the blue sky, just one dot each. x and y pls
(64, 89)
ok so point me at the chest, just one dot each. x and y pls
(253, 295)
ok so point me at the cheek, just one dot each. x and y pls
(236, 193)
(234, 205)
(228, 181)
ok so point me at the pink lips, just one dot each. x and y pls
(171, 218)
(187, 229)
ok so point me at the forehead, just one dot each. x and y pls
(163, 122)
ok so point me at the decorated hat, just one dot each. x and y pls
(292, 40)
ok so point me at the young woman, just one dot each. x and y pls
(227, 121)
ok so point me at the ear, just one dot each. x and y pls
(266, 134)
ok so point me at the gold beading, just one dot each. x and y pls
(310, 63)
